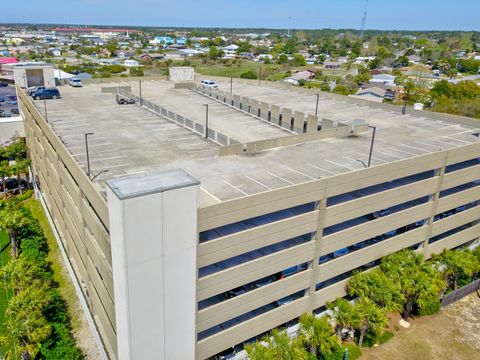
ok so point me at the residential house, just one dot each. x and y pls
(305, 75)
(414, 59)
(374, 93)
(131, 63)
(230, 51)
(385, 79)
(332, 65)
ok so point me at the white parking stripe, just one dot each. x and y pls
(281, 178)
(236, 188)
(258, 182)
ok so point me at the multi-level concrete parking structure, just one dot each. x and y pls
(198, 239)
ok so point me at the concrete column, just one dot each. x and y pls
(286, 118)
(298, 122)
(236, 101)
(312, 123)
(254, 107)
(153, 232)
(327, 124)
(275, 116)
(264, 108)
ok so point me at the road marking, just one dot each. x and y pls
(301, 173)
(258, 182)
(281, 178)
(338, 164)
(460, 140)
(210, 194)
(236, 188)
(319, 168)
(416, 148)
(403, 151)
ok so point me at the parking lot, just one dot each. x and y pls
(132, 140)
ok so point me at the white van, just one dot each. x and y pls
(75, 82)
(209, 84)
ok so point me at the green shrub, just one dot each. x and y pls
(354, 353)
(26, 195)
(430, 308)
(249, 75)
(382, 339)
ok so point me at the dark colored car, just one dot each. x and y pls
(14, 111)
(48, 93)
(3, 84)
(2, 99)
(125, 101)
(235, 292)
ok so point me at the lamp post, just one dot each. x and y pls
(206, 120)
(86, 148)
(259, 75)
(45, 107)
(231, 84)
(316, 107)
(371, 144)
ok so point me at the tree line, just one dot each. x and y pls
(403, 283)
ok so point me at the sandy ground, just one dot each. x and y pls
(452, 334)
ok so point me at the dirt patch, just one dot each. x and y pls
(453, 333)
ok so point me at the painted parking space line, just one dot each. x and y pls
(319, 168)
(403, 151)
(236, 188)
(281, 178)
(301, 173)
(338, 164)
(258, 182)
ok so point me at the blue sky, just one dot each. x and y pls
(382, 14)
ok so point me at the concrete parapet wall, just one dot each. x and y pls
(114, 89)
(257, 146)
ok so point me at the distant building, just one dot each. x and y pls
(162, 40)
(131, 63)
(373, 93)
(414, 59)
(385, 79)
(332, 65)
(305, 75)
(182, 41)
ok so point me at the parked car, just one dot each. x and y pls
(48, 93)
(125, 101)
(5, 115)
(340, 252)
(235, 292)
(3, 84)
(209, 83)
(2, 99)
(14, 111)
(359, 245)
(291, 271)
(379, 214)
(33, 89)
(75, 82)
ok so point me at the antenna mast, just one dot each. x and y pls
(364, 20)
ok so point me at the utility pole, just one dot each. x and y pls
(231, 84)
(316, 107)
(259, 75)
(206, 120)
(88, 157)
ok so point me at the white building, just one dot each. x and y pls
(131, 63)
(385, 79)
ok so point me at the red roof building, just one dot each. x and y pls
(7, 60)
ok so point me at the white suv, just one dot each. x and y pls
(209, 84)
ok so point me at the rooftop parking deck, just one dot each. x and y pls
(131, 140)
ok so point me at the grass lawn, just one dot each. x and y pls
(453, 333)
(60, 274)
(5, 294)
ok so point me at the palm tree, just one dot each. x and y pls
(5, 171)
(276, 346)
(369, 317)
(419, 282)
(378, 287)
(455, 265)
(343, 315)
(317, 335)
(12, 218)
(29, 327)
